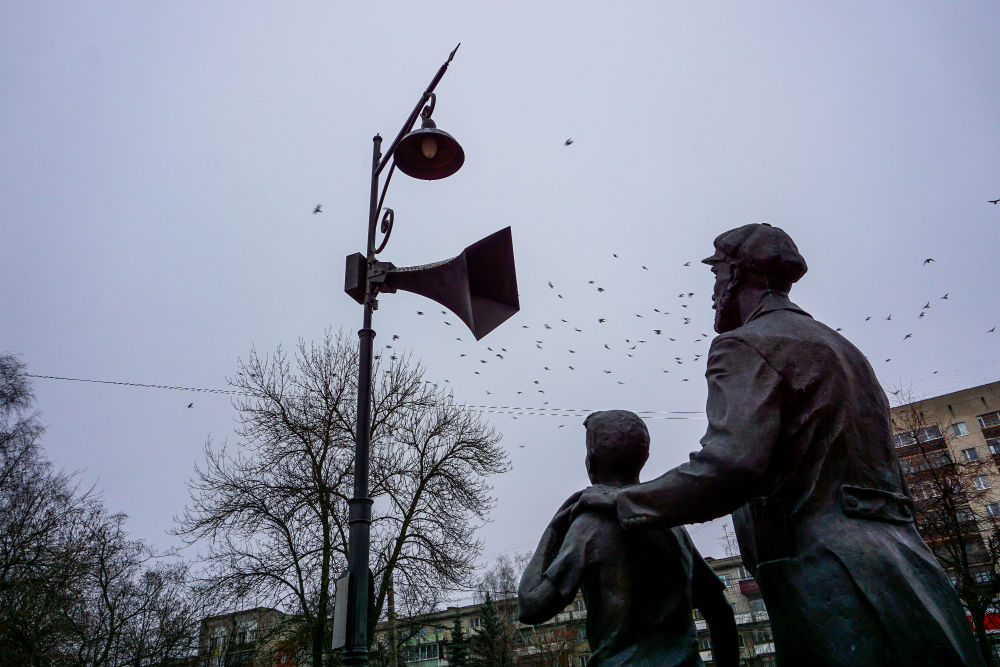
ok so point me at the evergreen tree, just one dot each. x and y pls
(492, 644)
(458, 650)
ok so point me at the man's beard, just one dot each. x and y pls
(727, 317)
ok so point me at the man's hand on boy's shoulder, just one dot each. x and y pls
(560, 522)
(597, 498)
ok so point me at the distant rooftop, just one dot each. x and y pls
(948, 382)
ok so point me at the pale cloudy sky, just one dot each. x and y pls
(159, 162)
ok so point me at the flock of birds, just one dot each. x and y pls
(662, 337)
(670, 338)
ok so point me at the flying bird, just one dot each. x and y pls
(928, 260)
(889, 318)
(396, 337)
(922, 313)
(992, 330)
(551, 286)
(687, 263)
(926, 306)
(600, 289)
(190, 405)
(868, 318)
(318, 209)
(994, 201)
(946, 295)
(909, 335)
(568, 142)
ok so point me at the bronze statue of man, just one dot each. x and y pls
(799, 449)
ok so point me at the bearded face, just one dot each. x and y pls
(727, 313)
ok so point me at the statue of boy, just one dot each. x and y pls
(639, 586)
(799, 448)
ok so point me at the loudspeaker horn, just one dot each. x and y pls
(479, 285)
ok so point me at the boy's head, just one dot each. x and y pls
(617, 446)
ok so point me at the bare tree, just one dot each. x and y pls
(74, 588)
(951, 512)
(42, 515)
(273, 516)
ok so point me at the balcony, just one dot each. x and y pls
(749, 587)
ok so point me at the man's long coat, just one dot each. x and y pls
(799, 448)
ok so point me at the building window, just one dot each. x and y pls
(989, 419)
(904, 439)
(726, 579)
(474, 622)
(994, 445)
(982, 482)
(762, 635)
(959, 429)
(578, 605)
(963, 515)
(757, 606)
(420, 652)
(704, 642)
(970, 454)
(929, 433)
(993, 510)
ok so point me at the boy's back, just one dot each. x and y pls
(639, 586)
(639, 589)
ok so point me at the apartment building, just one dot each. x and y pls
(247, 638)
(960, 427)
(949, 449)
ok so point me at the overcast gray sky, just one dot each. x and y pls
(159, 162)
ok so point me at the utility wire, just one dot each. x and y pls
(140, 384)
(534, 411)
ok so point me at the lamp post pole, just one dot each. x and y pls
(360, 505)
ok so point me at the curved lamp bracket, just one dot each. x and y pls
(386, 228)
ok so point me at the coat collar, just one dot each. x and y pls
(774, 301)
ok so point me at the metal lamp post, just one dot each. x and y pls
(479, 285)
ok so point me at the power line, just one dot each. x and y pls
(533, 411)
(140, 384)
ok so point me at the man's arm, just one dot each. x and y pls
(554, 572)
(709, 598)
(744, 421)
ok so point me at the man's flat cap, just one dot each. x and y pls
(761, 248)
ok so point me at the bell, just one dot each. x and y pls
(429, 153)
